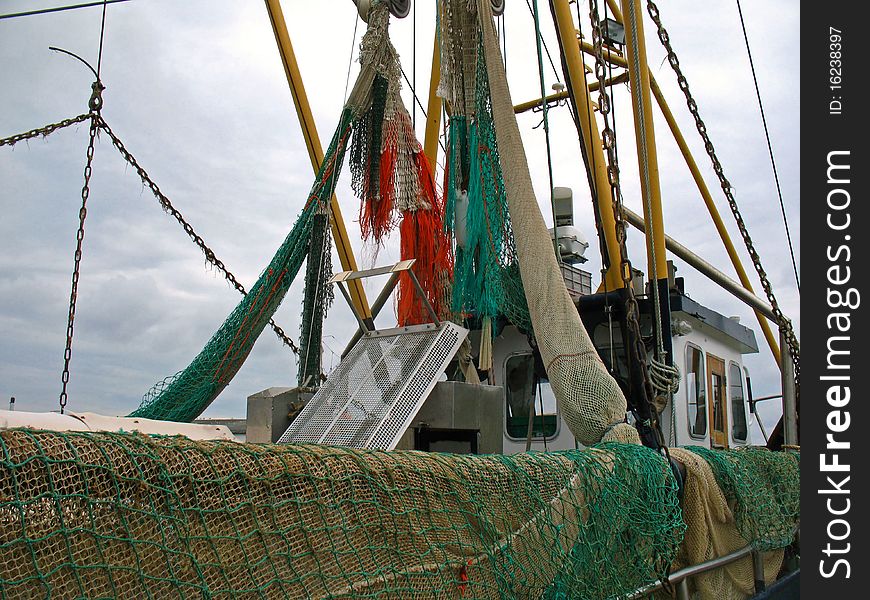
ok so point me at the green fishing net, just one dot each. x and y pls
(762, 488)
(183, 396)
(123, 515)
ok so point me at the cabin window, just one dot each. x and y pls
(738, 409)
(696, 390)
(522, 388)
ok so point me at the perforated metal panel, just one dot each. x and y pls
(373, 395)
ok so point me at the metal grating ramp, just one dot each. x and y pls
(376, 391)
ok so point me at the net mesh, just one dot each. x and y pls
(487, 281)
(591, 401)
(109, 515)
(183, 396)
(733, 498)
(759, 486)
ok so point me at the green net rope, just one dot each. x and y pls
(183, 396)
(486, 275)
(122, 515)
(762, 488)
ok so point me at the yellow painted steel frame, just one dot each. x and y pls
(532, 104)
(638, 73)
(700, 183)
(433, 109)
(315, 151)
(591, 138)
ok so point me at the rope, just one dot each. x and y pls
(545, 108)
(534, 13)
(770, 150)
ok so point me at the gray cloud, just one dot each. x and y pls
(197, 92)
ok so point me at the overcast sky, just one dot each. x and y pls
(197, 93)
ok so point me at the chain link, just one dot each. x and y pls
(784, 323)
(80, 236)
(188, 229)
(43, 131)
(608, 138)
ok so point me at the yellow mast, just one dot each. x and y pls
(591, 138)
(700, 183)
(433, 109)
(315, 153)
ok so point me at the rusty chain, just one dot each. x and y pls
(80, 236)
(43, 131)
(188, 229)
(98, 123)
(637, 348)
(782, 321)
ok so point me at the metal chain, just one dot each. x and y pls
(782, 321)
(43, 131)
(80, 236)
(188, 229)
(608, 139)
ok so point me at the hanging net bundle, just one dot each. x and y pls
(508, 248)
(391, 175)
(487, 282)
(88, 515)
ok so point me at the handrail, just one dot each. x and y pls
(683, 574)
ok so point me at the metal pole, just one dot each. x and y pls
(648, 166)
(683, 590)
(433, 109)
(593, 151)
(789, 404)
(531, 104)
(377, 305)
(691, 571)
(715, 216)
(315, 151)
(758, 571)
(705, 268)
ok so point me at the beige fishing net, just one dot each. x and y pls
(590, 400)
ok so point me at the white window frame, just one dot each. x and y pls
(703, 374)
(735, 365)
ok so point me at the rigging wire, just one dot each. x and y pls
(546, 128)
(102, 34)
(43, 11)
(769, 149)
(414, 64)
(420, 104)
(350, 59)
(544, 42)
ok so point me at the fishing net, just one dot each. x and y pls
(392, 175)
(591, 401)
(487, 283)
(733, 498)
(759, 486)
(183, 397)
(122, 515)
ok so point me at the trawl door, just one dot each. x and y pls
(718, 402)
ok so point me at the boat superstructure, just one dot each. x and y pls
(634, 393)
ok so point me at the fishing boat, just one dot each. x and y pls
(525, 428)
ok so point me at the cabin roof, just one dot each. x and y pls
(714, 323)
